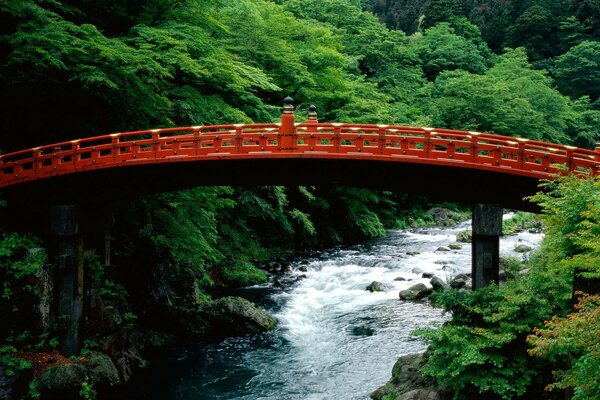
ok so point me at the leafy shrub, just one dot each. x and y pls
(576, 335)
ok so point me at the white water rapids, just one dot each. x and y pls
(334, 340)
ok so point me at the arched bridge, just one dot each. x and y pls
(453, 164)
(489, 171)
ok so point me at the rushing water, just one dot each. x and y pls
(335, 340)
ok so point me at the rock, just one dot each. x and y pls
(115, 346)
(277, 283)
(233, 316)
(399, 279)
(415, 292)
(502, 276)
(458, 281)
(420, 394)
(455, 246)
(286, 269)
(273, 267)
(376, 286)
(442, 248)
(412, 253)
(522, 248)
(427, 275)
(406, 379)
(62, 381)
(449, 268)
(303, 269)
(300, 277)
(464, 236)
(439, 284)
(102, 371)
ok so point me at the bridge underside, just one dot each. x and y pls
(438, 182)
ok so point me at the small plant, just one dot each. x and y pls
(87, 391)
(33, 390)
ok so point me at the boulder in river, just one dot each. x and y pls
(376, 286)
(400, 278)
(415, 292)
(407, 382)
(438, 284)
(458, 281)
(234, 316)
(427, 275)
(420, 394)
(464, 236)
(522, 248)
(413, 253)
(442, 248)
(455, 246)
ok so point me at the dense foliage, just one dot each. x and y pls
(75, 68)
(484, 348)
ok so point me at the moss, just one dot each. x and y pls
(242, 274)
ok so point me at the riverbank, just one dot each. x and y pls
(299, 292)
(334, 338)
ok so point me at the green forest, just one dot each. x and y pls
(526, 68)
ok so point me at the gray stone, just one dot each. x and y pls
(442, 248)
(62, 381)
(406, 378)
(102, 371)
(458, 281)
(464, 236)
(303, 269)
(420, 394)
(415, 292)
(439, 284)
(234, 316)
(522, 248)
(455, 246)
(376, 286)
(427, 275)
(412, 253)
(399, 279)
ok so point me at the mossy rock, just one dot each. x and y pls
(464, 236)
(102, 371)
(228, 316)
(62, 381)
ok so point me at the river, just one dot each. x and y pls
(334, 340)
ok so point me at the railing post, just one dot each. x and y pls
(312, 114)
(311, 127)
(286, 140)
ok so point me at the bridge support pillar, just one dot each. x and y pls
(69, 284)
(485, 247)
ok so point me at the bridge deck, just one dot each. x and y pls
(311, 140)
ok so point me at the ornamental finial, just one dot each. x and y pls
(312, 112)
(288, 107)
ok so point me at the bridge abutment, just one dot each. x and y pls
(65, 227)
(485, 246)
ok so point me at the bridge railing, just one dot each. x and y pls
(310, 139)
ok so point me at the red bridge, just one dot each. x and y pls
(383, 156)
(489, 171)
